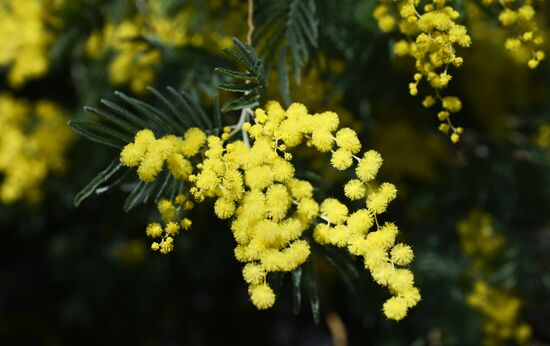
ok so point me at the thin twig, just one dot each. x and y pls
(250, 22)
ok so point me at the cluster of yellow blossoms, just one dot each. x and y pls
(500, 307)
(520, 16)
(135, 60)
(433, 36)
(542, 136)
(478, 238)
(25, 38)
(253, 182)
(501, 310)
(33, 143)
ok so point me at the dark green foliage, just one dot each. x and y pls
(251, 83)
(95, 183)
(311, 286)
(286, 26)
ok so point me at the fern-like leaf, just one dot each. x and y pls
(116, 126)
(286, 26)
(251, 83)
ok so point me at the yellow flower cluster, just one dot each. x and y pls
(520, 17)
(135, 61)
(149, 153)
(542, 136)
(25, 38)
(380, 253)
(478, 238)
(253, 182)
(481, 243)
(33, 143)
(172, 215)
(501, 310)
(433, 36)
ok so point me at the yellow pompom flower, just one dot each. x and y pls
(300, 188)
(401, 48)
(389, 191)
(508, 17)
(185, 224)
(144, 137)
(193, 140)
(278, 201)
(377, 203)
(308, 208)
(262, 296)
(401, 254)
(322, 140)
(452, 104)
(167, 210)
(341, 159)
(395, 308)
(224, 208)
(154, 230)
(321, 233)
(179, 167)
(360, 221)
(401, 280)
(334, 210)
(355, 189)
(167, 245)
(411, 296)
(369, 165)
(347, 139)
(131, 155)
(172, 228)
(253, 273)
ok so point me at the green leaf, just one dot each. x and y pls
(239, 57)
(130, 117)
(197, 109)
(192, 108)
(284, 84)
(99, 133)
(254, 77)
(247, 52)
(276, 281)
(235, 74)
(99, 179)
(313, 290)
(143, 191)
(159, 119)
(189, 117)
(177, 114)
(217, 115)
(297, 289)
(113, 119)
(342, 263)
(163, 187)
(286, 25)
(235, 87)
(246, 101)
(138, 195)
